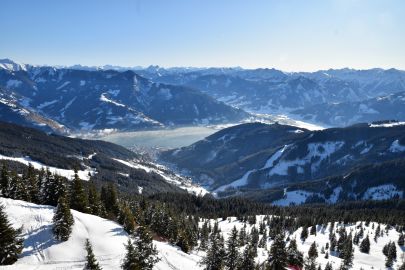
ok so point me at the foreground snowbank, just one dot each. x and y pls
(107, 237)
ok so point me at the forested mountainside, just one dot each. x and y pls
(97, 160)
(89, 100)
(357, 162)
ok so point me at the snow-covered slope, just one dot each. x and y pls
(41, 251)
(108, 238)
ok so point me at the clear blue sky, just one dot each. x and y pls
(292, 35)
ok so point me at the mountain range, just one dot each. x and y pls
(84, 99)
(264, 162)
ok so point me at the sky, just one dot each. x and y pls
(291, 35)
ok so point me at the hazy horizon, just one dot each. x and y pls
(286, 35)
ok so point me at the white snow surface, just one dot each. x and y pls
(382, 192)
(317, 151)
(396, 147)
(83, 174)
(295, 197)
(108, 239)
(41, 251)
(393, 124)
(105, 99)
(171, 178)
(243, 181)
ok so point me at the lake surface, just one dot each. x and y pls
(163, 138)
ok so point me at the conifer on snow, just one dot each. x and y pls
(91, 261)
(11, 244)
(62, 221)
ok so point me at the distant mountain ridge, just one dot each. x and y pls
(133, 98)
(105, 99)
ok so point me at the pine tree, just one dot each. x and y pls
(109, 198)
(63, 221)
(402, 267)
(254, 240)
(33, 185)
(18, 189)
(365, 245)
(54, 187)
(313, 230)
(204, 234)
(313, 252)
(392, 254)
(309, 264)
(5, 181)
(263, 240)
(347, 253)
(214, 259)
(294, 256)
(278, 254)
(328, 266)
(91, 263)
(142, 254)
(95, 206)
(126, 219)
(232, 253)
(10, 243)
(401, 240)
(247, 261)
(78, 198)
(242, 236)
(304, 233)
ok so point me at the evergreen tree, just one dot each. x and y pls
(54, 187)
(294, 256)
(142, 254)
(18, 189)
(313, 230)
(254, 240)
(63, 221)
(91, 262)
(365, 245)
(402, 267)
(11, 244)
(78, 198)
(263, 240)
(247, 262)
(5, 181)
(328, 266)
(278, 254)
(391, 254)
(109, 198)
(401, 240)
(313, 252)
(33, 185)
(126, 219)
(232, 253)
(214, 259)
(95, 206)
(204, 234)
(347, 253)
(304, 233)
(242, 236)
(310, 264)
